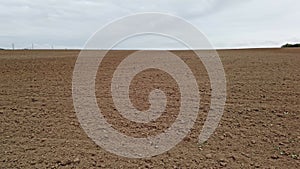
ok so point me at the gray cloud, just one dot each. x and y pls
(227, 23)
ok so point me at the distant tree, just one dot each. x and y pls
(290, 45)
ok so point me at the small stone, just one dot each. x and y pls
(274, 157)
(279, 115)
(256, 165)
(102, 165)
(222, 137)
(32, 162)
(68, 162)
(268, 140)
(222, 160)
(34, 100)
(233, 157)
(253, 141)
(245, 154)
(208, 156)
(294, 156)
(76, 160)
(228, 134)
(187, 139)
(223, 164)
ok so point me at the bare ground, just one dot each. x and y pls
(259, 128)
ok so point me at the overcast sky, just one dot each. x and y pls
(226, 23)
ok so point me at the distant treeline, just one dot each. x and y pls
(290, 45)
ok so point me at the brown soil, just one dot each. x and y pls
(259, 128)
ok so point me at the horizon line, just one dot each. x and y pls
(138, 49)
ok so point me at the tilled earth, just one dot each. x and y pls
(259, 127)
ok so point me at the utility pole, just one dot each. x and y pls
(13, 46)
(32, 46)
